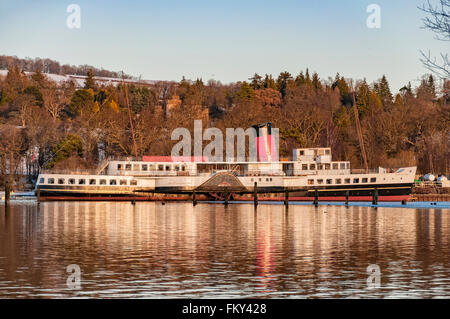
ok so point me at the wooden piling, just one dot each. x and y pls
(226, 199)
(7, 194)
(286, 199)
(375, 197)
(194, 199)
(255, 194)
(347, 195)
(316, 197)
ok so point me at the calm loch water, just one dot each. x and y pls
(176, 250)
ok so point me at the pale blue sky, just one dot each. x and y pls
(225, 40)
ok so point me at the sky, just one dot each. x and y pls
(225, 40)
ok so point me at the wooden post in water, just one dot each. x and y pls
(347, 195)
(375, 197)
(7, 194)
(286, 199)
(316, 197)
(255, 194)
(194, 200)
(226, 199)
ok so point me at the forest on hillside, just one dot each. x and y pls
(55, 125)
(54, 67)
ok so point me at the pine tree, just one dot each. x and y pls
(316, 82)
(256, 82)
(344, 90)
(282, 82)
(269, 82)
(384, 93)
(300, 79)
(89, 83)
(245, 93)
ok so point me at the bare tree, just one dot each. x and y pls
(55, 98)
(438, 21)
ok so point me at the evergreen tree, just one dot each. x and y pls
(384, 93)
(344, 90)
(245, 93)
(316, 82)
(282, 82)
(300, 79)
(256, 82)
(269, 82)
(89, 83)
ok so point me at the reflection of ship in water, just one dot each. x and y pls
(177, 250)
(312, 173)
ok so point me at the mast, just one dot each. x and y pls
(358, 129)
(129, 115)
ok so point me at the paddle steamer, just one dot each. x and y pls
(311, 174)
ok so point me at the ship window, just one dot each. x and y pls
(305, 167)
(123, 182)
(327, 152)
(373, 179)
(133, 182)
(112, 182)
(335, 166)
(92, 182)
(160, 167)
(103, 182)
(329, 181)
(347, 181)
(338, 181)
(183, 168)
(321, 152)
(302, 152)
(42, 180)
(320, 181)
(71, 181)
(128, 167)
(81, 181)
(347, 165)
(259, 179)
(177, 168)
(167, 167)
(356, 180)
(312, 166)
(270, 179)
(310, 182)
(319, 166)
(61, 181)
(119, 167)
(327, 166)
(364, 180)
(267, 179)
(342, 165)
(136, 167)
(144, 167)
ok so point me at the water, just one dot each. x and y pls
(176, 250)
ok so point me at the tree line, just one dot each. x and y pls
(50, 125)
(54, 67)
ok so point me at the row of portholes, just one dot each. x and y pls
(92, 181)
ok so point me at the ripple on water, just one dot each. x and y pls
(180, 251)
